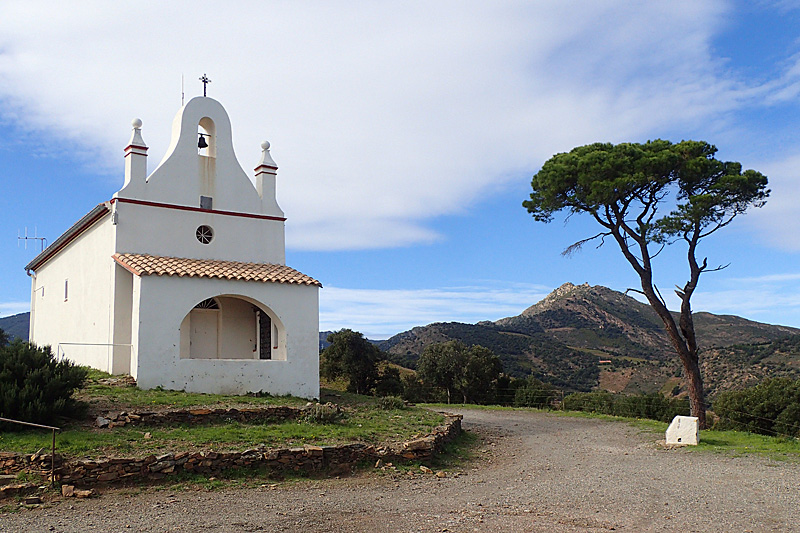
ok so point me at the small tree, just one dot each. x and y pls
(473, 372)
(479, 383)
(351, 356)
(442, 365)
(34, 387)
(623, 187)
(3, 338)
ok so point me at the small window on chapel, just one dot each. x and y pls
(66, 290)
(204, 234)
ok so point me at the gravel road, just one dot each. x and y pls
(537, 472)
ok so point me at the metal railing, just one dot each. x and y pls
(53, 450)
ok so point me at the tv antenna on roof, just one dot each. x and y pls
(42, 240)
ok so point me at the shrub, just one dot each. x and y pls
(390, 403)
(651, 406)
(534, 393)
(34, 387)
(771, 408)
(389, 383)
(323, 414)
(593, 402)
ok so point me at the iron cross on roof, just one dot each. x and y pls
(205, 81)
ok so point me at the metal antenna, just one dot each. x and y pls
(25, 239)
(205, 81)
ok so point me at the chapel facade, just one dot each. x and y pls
(180, 278)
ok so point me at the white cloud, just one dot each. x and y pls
(778, 220)
(380, 117)
(14, 308)
(382, 313)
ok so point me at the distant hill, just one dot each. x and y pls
(16, 326)
(323, 339)
(563, 338)
(744, 365)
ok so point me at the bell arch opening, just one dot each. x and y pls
(207, 138)
(232, 327)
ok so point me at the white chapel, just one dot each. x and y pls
(180, 278)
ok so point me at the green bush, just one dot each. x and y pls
(34, 387)
(534, 393)
(390, 403)
(652, 406)
(771, 408)
(592, 402)
(323, 414)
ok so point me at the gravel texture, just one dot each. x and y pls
(536, 472)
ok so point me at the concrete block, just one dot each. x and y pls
(683, 431)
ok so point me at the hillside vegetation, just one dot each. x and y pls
(562, 339)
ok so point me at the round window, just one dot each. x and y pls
(204, 234)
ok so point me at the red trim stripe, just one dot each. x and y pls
(196, 209)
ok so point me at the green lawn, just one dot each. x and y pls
(363, 421)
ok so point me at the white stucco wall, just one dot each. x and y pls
(170, 232)
(86, 315)
(165, 301)
(184, 174)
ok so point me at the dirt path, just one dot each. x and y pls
(538, 472)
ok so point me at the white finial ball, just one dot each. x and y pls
(265, 145)
(136, 123)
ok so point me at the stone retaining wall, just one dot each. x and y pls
(335, 460)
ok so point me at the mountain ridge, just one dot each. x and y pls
(562, 338)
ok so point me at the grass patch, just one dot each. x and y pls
(364, 421)
(738, 443)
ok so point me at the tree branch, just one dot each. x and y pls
(576, 247)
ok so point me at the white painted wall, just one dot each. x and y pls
(164, 302)
(171, 233)
(86, 315)
(183, 175)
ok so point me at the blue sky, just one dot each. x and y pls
(407, 134)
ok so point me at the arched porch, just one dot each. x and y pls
(232, 327)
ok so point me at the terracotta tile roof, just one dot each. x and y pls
(149, 265)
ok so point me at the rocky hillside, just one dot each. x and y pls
(563, 338)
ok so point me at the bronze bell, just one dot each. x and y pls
(201, 143)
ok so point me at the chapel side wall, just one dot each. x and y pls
(85, 316)
(165, 301)
(171, 233)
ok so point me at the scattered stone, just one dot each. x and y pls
(32, 500)
(379, 463)
(84, 493)
(425, 469)
(441, 474)
(102, 422)
(68, 491)
(7, 479)
(148, 435)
